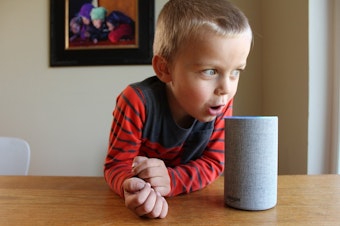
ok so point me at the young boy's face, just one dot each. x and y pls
(85, 20)
(205, 75)
(97, 23)
(110, 26)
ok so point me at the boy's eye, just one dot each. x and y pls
(210, 72)
(235, 73)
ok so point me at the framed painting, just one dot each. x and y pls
(101, 32)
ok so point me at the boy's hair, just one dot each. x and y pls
(181, 20)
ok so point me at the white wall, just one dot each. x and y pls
(320, 85)
(335, 155)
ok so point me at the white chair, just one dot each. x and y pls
(15, 156)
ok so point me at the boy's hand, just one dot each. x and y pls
(144, 200)
(154, 171)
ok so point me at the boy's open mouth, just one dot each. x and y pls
(216, 110)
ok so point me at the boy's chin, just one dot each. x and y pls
(207, 119)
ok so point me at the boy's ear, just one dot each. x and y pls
(161, 68)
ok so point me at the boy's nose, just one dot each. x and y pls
(223, 86)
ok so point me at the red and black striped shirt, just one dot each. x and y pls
(143, 125)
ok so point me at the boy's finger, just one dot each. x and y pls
(148, 204)
(137, 160)
(157, 209)
(164, 211)
(133, 201)
(133, 185)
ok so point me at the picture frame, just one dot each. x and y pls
(68, 50)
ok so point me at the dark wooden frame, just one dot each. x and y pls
(61, 56)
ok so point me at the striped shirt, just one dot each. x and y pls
(143, 126)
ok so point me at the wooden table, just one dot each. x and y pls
(35, 200)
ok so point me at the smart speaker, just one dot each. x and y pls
(251, 162)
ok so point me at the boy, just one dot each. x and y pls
(167, 135)
(98, 30)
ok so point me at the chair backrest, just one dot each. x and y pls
(15, 156)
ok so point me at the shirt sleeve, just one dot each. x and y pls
(125, 138)
(198, 173)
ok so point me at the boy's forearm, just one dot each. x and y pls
(115, 177)
(193, 176)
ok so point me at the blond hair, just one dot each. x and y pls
(182, 20)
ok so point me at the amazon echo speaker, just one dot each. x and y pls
(251, 162)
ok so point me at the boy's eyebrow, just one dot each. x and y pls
(243, 66)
